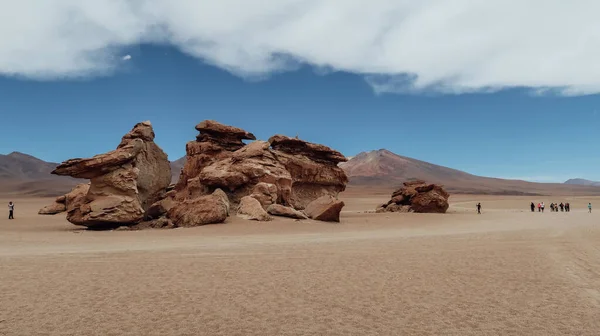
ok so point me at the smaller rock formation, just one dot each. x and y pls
(283, 211)
(325, 208)
(251, 209)
(417, 196)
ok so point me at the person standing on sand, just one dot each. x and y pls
(479, 208)
(543, 206)
(590, 207)
(532, 207)
(562, 207)
(11, 210)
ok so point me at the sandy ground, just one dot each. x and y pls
(505, 272)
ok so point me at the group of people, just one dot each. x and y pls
(555, 207)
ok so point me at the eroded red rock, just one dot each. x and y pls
(296, 171)
(417, 196)
(123, 183)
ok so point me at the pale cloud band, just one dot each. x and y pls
(449, 46)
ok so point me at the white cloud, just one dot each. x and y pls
(126, 58)
(399, 45)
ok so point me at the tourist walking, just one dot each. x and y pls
(590, 207)
(479, 208)
(11, 210)
(568, 207)
(562, 207)
(532, 207)
(539, 207)
(543, 206)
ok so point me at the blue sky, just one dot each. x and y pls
(503, 88)
(511, 133)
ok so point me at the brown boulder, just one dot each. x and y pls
(251, 209)
(417, 196)
(283, 211)
(124, 182)
(325, 208)
(209, 209)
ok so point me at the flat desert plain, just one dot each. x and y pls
(505, 272)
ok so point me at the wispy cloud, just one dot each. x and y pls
(126, 58)
(398, 45)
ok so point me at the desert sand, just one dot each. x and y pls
(505, 272)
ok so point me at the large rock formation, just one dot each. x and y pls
(123, 183)
(285, 171)
(129, 186)
(417, 196)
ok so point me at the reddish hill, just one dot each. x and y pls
(22, 174)
(383, 168)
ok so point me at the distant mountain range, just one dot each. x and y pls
(22, 174)
(26, 175)
(384, 168)
(580, 181)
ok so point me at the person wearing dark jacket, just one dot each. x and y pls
(11, 210)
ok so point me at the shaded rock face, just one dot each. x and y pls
(417, 196)
(124, 182)
(285, 171)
